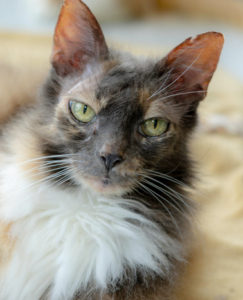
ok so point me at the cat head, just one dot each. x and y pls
(115, 119)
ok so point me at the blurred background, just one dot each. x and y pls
(153, 27)
(142, 23)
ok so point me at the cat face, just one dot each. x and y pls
(112, 127)
(118, 118)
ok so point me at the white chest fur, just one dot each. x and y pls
(66, 240)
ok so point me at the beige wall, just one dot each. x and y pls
(226, 10)
(230, 11)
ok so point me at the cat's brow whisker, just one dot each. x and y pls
(174, 81)
(167, 76)
(181, 94)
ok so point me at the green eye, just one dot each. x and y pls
(154, 127)
(81, 111)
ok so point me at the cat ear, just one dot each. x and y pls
(191, 65)
(78, 39)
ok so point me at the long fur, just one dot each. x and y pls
(65, 240)
(72, 227)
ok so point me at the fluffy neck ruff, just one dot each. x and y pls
(66, 241)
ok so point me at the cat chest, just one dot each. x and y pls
(66, 245)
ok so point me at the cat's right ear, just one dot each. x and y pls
(78, 39)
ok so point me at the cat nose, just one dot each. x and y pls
(110, 160)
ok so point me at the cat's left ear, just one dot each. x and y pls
(78, 39)
(190, 66)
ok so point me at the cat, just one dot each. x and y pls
(95, 174)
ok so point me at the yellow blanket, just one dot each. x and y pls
(215, 268)
(215, 271)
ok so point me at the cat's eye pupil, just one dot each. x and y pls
(155, 121)
(154, 127)
(81, 111)
(85, 109)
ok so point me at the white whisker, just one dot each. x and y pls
(174, 81)
(160, 200)
(181, 94)
(166, 176)
(47, 157)
(166, 193)
(171, 192)
(163, 84)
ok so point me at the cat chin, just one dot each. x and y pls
(104, 186)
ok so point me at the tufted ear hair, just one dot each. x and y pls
(78, 39)
(191, 65)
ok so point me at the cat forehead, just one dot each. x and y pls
(127, 89)
(100, 85)
(120, 88)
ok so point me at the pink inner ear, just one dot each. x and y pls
(197, 58)
(78, 39)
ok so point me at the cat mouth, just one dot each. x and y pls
(105, 186)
